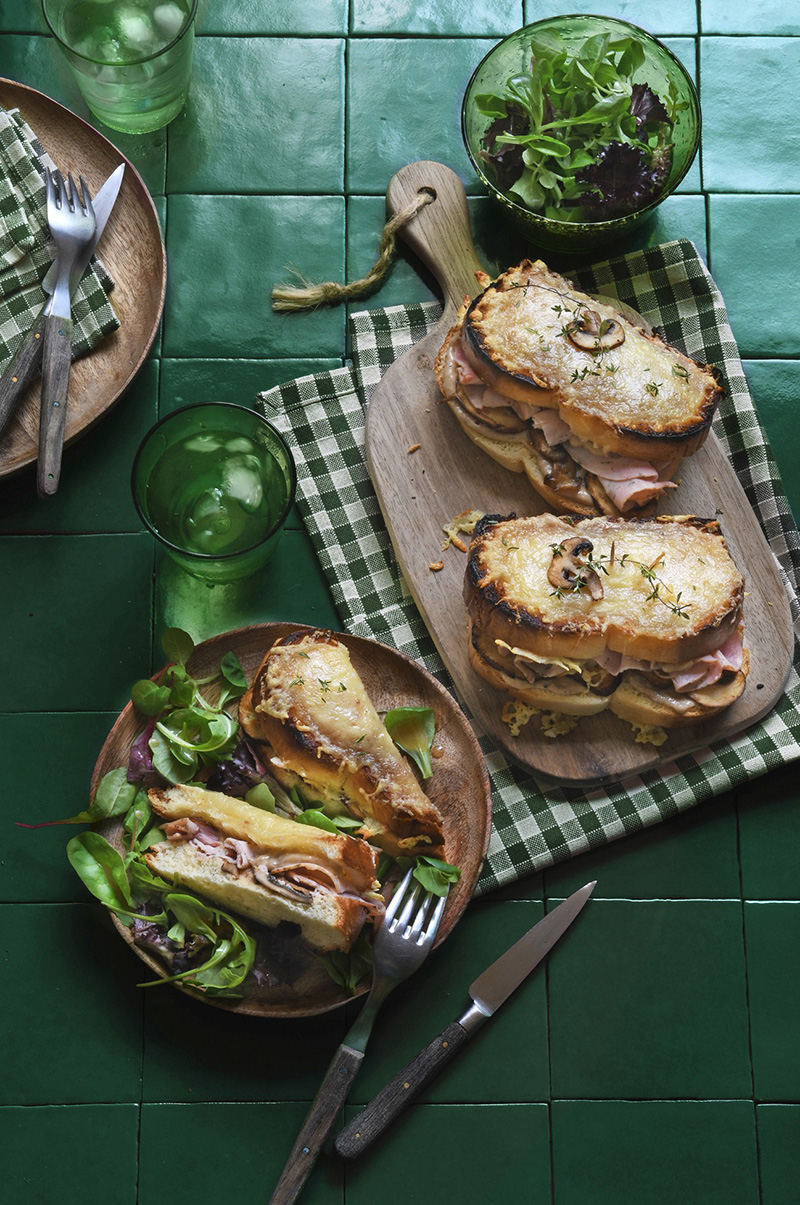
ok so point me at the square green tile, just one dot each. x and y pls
(779, 1153)
(34, 866)
(251, 1059)
(692, 856)
(72, 1030)
(677, 17)
(77, 620)
(654, 1152)
(213, 314)
(772, 934)
(279, 16)
(284, 97)
(438, 994)
(769, 836)
(20, 16)
(186, 382)
(472, 1154)
(744, 148)
(445, 18)
(759, 16)
(290, 587)
(647, 1000)
(737, 225)
(45, 1154)
(94, 494)
(390, 124)
(775, 387)
(251, 1143)
(685, 49)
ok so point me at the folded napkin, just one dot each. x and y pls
(26, 252)
(322, 416)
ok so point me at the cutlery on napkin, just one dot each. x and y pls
(491, 989)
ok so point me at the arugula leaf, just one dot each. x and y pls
(178, 645)
(348, 969)
(435, 875)
(317, 819)
(260, 796)
(413, 729)
(149, 698)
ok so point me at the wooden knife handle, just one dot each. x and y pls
(398, 1094)
(438, 233)
(56, 364)
(318, 1124)
(21, 371)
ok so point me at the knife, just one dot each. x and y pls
(28, 356)
(488, 992)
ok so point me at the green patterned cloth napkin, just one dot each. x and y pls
(26, 252)
(536, 825)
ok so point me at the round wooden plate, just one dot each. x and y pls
(296, 984)
(133, 251)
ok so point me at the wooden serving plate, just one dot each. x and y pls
(420, 493)
(459, 788)
(133, 251)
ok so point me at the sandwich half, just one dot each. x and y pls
(265, 867)
(317, 730)
(641, 617)
(554, 384)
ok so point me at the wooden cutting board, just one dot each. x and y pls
(422, 491)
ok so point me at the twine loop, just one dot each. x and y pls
(308, 295)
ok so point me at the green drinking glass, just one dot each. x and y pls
(214, 483)
(132, 59)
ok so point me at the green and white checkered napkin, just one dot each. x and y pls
(26, 252)
(536, 826)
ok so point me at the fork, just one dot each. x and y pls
(401, 944)
(72, 224)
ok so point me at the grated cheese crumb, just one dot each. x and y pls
(516, 715)
(435, 566)
(464, 522)
(649, 734)
(414, 447)
(555, 723)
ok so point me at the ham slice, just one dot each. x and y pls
(689, 675)
(627, 481)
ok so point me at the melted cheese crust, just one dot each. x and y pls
(310, 704)
(642, 386)
(698, 585)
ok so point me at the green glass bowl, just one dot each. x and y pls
(661, 69)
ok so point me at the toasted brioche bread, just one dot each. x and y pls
(550, 382)
(639, 616)
(265, 867)
(322, 734)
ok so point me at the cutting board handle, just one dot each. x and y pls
(438, 233)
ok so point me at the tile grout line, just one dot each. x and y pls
(747, 1003)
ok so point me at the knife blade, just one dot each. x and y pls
(102, 204)
(27, 359)
(488, 992)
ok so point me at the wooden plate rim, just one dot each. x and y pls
(145, 200)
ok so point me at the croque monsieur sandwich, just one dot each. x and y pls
(550, 382)
(265, 867)
(642, 616)
(314, 726)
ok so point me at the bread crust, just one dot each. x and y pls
(332, 743)
(657, 404)
(275, 834)
(327, 921)
(575, 626)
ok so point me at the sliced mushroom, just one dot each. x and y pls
(590, 332)
(263, 876)
(568, 569)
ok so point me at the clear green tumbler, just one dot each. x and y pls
(214, 484)
(132, 59)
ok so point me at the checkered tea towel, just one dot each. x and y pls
(536, 825)
(23, 263)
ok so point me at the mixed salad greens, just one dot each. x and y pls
(573, 137)
(188, 739)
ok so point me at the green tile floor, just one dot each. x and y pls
(656, 1058)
